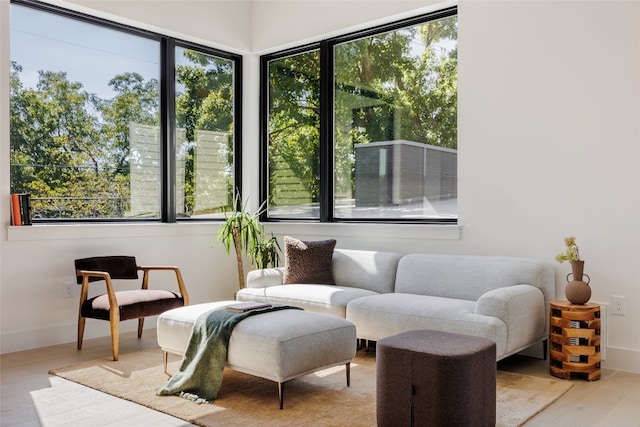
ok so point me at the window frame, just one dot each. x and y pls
(167, 104)
(326, 131)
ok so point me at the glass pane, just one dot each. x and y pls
(395, 124)
(84, 118)
(294, 136)
(204, 134)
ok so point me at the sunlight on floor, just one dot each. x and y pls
(332, 370)
(70, 404)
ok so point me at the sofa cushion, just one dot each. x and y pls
(469, 276)
(308, 261)
(372, 270)
(133, 304)
(324, 299)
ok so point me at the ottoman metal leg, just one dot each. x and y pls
(347, 367)
(165, 362)
(281, 393)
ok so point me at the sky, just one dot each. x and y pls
(89, 54)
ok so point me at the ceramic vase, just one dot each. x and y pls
(577, 290)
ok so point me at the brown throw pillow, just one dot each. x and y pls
(308, 262)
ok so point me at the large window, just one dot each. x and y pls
(294, 135)
(109, 122)
(205, 98)
(364, 127)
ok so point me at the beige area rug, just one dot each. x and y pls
(320, 399)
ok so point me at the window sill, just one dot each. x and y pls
(108, 231)
(369, 230)
(126, 230)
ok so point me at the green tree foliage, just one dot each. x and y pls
(294, 119)
(205, 102)
(136, 101)
(52, 139)
(399, 85)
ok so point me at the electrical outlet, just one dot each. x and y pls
(618, 305)
(67, 290)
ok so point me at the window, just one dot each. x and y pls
(204, 133)
(111, 123)
(293, 135)
(364, 127)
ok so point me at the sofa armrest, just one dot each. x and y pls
(265, 277)
(521, 308)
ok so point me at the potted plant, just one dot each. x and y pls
(243, 230)
(572, 253)
(266, 251)
(577, 291)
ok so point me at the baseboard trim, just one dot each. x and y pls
(63, 334)
(622, 359)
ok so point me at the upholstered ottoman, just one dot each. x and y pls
(278, 345)
(431, 378)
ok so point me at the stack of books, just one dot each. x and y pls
(21, 211)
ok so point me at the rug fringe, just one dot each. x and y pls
(192, 397)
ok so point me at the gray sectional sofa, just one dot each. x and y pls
(505, 299)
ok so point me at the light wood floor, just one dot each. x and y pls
(31, 397)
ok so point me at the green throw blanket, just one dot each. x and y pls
(200, 374)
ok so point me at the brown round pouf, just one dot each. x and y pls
(431, 378)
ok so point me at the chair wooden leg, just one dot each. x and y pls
(115, 339)
(81, 322)
(140, 326)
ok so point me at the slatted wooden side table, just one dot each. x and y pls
(574, 340)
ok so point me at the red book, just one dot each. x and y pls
(16, 217)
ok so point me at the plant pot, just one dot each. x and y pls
(577, 269)
(577, 291)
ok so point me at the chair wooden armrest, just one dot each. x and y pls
(181, 286)
(113, 301)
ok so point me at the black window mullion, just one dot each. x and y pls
(326, 131)
(237, 124)
(167, 130)
(263, 188)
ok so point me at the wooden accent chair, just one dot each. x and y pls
(122, 305)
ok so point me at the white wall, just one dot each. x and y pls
(549, 146)
(549, 142)
(279, 23)
(222, 24)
